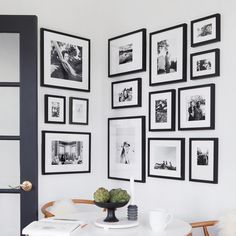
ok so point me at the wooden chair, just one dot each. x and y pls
(48, 214)
(203, 225)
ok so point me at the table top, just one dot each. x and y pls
(176, 228)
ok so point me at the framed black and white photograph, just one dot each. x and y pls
(197, 107)
(126, 148)
(162, 110)
(126, 94)
(205, 30)
(55, 109)
(65, 61)
(168, 55)
(65, 152)
(203, 160)
(205, 64)
(166, 158)
(79, 110)
(127, 53)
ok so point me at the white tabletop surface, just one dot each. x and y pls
(175, 228)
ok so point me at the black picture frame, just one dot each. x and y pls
(217, 29)
(71, 112)
(183, 56)
(181, 156)
(46, 109)
(215, 160)
(134, 120)
(57, 134)
(216, 64)
(172, 101)
(137, 97)
(70, 83)
(142, 57)
(211, 109)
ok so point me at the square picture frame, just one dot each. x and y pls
(166, 158)
(66, 152)
(126, 148)
(168, 55)
(54, 109)
(205, 30)
(203, 160)
(65, 61)
(162, 110)
(79, 111)
(127, 53)
(205, 64)
(196, 107)
(126, 93)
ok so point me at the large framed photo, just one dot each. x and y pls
(65, 152)
(126, 93)
(55, 109)
(127, 53)
(79, 110)
(166, 158)
(197, 107)
(168, 55)
(162, 110)
(203, 160)
(65, 61)
(205, 64)
(126, 148)
(205, 30)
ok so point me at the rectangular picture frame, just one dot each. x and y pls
(168, 55)
(166, 158)
(203, 160)
(196, 107)
(56, 159)
(126, 148)
(127, 53)
(126, 93)
(65, 61)
(162, 105)
(205, 64)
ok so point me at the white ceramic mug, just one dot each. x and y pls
(159, 219)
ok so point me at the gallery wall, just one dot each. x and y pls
(100, 20)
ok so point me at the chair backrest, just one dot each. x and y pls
(203, 225)
(48, 214)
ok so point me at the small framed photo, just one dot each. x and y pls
(65, 61)
(65, 152)
(205, 64)
(126, 148)
(79, 110)
(197, 107)
(205, 30)
(166, 158)
(126, 93)
(55, 109)
(162, 110)
(168, 55)
(203, 160)
(127, 53)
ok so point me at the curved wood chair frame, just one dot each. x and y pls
(203, 225)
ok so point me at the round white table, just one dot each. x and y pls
(175, 228)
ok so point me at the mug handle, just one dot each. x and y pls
(169, 218)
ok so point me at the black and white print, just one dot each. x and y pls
(205, 30)
(65, 152)
(126, 148)
(65, 61)
(126, 93)
(166, 158)
(161, 111)
(126, 53)
(197, 107)
(203, 160)
(168, 55)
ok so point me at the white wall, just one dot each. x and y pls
(100, 20)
